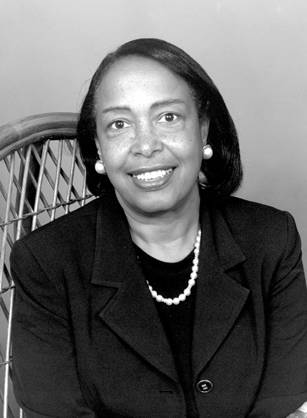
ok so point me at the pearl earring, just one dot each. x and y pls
(207, 152)
(99, 167)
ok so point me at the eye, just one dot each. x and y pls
(119, 124)
(168, 117)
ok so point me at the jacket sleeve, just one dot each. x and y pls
(284, 384)
(44, 367)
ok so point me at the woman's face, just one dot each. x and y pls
(149, 136)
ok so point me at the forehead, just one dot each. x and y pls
(136, 78)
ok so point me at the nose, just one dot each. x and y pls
(147, 141)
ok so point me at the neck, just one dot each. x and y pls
(168, 236)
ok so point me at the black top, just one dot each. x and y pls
(169, 280)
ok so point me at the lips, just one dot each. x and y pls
(152, 179)
(152, 175)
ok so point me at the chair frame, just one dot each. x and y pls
(27, 134)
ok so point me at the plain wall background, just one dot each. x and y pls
(255, 51)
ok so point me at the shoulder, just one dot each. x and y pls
(67, 226)
(256, 225)
(63, 238)
(249, 213)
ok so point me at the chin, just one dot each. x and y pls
(154, 205)
(156, 202)
(155, 208)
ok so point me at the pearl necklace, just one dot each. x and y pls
(193, 276)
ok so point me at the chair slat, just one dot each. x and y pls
(7, 358)
(23, 192)
(39, 186)
(57, 179)
(71, 175)
(6, 217)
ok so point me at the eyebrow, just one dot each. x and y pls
(153, 106)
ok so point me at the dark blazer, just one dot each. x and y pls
(87, 336)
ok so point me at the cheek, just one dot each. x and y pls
(190, 145)
(187, 138)
(113, 154)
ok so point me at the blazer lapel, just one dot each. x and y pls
(123, 302)
(219, 298)
(121, 298)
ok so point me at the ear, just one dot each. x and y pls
(98, 147)
(204, 128)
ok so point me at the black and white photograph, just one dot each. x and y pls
(153, 200)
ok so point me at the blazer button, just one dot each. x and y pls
(204, 386)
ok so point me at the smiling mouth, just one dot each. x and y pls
(152, 175)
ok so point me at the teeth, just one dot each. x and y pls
(152, 175)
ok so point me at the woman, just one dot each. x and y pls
(165, 297)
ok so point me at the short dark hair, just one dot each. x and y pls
(223, 171)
